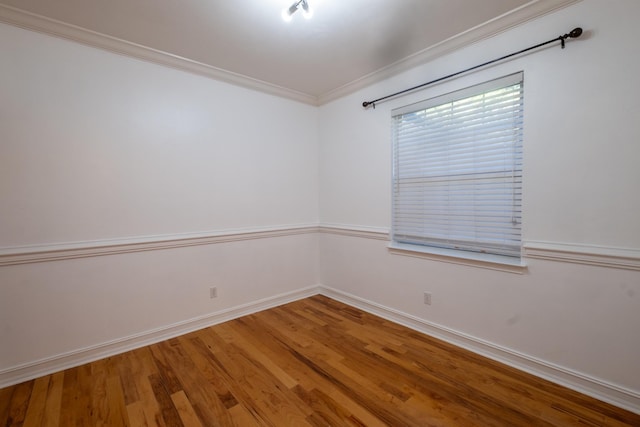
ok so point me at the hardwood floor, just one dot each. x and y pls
(314, 362)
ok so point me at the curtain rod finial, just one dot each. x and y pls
(575, 33)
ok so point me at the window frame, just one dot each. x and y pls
(513, 261)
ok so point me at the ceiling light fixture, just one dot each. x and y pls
(287, 14)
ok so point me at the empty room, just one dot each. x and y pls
(319, 213)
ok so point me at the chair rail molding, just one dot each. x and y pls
(602, 256)
(59, 251)
(376, 233)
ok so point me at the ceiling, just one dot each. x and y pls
(345, 45)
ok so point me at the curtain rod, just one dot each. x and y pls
(576, 32)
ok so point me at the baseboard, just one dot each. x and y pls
(599, 389)
(590, 386)
(28, 371)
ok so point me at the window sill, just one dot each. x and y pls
(473, 259)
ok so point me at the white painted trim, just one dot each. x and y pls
(60, 251)
(453, 256)
(591, 386)
(69, 250)
(42, 24)
(28, 371)
(527, 12)
(602, 256)
(35, 22)
(376, 233)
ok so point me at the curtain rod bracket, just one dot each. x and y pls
(575, 33)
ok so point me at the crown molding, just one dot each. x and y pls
(525, 13)
(31, 21)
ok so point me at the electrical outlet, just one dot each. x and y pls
(213, 292)
(427, 298)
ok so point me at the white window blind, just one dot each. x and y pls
(457, 169)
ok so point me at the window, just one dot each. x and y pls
(457, 170)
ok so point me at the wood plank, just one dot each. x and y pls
(168, 411)
(5, 400)
(77, 399)
(125, 370)
(100, 412)
(197, 376)
(270, 342)
(37, 403)
(143, 367)
(326, 411)
(53, 405)
(136, 415)
(19, 396)
(254, 388)
(243, 417)
(117, 415)
(185, 410)
(229, 334)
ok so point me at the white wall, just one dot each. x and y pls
(96, 146)
(100, 149)
(581, 178)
